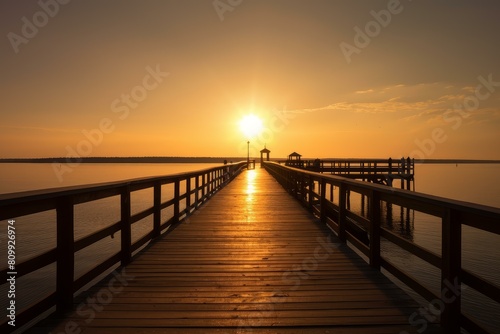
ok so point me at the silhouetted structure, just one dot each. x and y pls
(381, 171)
(266, 152)
(294, 160)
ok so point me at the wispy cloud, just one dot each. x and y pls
(364, 91)
(425, 102)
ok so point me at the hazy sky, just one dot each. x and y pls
(173, 78)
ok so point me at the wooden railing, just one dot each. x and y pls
(382, 171)
(362, 166)
(190, 191)
(314, 190)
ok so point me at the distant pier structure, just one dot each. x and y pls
(264, 151)
(294, 160)
(381, 171)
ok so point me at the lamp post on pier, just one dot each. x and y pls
(248, 154)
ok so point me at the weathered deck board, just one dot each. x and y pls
(250, 260)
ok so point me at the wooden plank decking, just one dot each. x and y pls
(250, 260)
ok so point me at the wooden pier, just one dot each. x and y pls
(241, 254)
(252, 259)
(380, 171)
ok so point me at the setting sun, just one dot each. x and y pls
(250, 125)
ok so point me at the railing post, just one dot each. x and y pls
(203, 186)
(219, 178)
(215, 181)
(188, 196)
(197, 186)
(311, 193)
(157, 212)
(450, 272)
(210, 186)
(176, 201)
(65, 255)
(322, 201)
(126, 229)
(331, 192)
(374, 230)
(342, 211)
(408, 172)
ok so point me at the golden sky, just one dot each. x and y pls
(174, 78)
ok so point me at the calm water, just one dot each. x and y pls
(475, 183)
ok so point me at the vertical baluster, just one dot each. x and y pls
(126, 229)
(323, 201)
(342, 211)
(197, 195)
(65, 254)
(215, 179)
(450, 272)
(157, 210)
(188, 196)
(176, 201)
(203, 186)
(210, 186)
(374, 229)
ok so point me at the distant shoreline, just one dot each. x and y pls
(210, 160)
(123, 160)
(456, 161)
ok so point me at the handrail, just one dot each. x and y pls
(206, 182)
(310, 188)
(362, 166)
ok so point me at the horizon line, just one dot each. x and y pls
(213, 158)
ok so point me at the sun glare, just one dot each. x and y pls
(250, 125)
